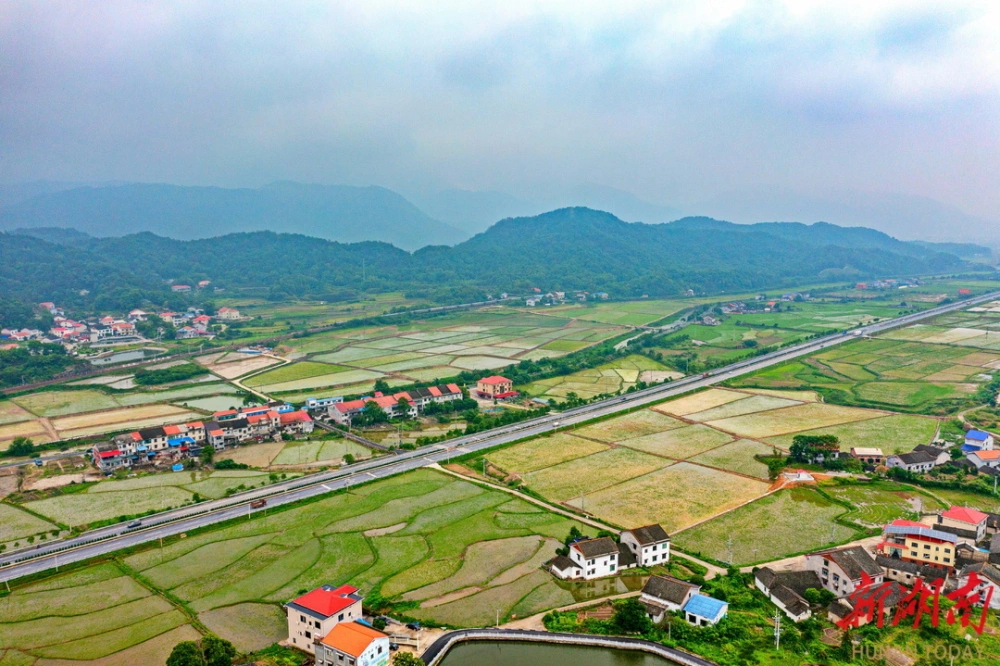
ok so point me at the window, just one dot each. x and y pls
(340, 617)
(303, 618)
(317, 624)
(309, 634)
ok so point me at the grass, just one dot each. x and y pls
(12, 413)
(591, 473)
(894, 434)
(748, 405)
(676, 497)
(787, 522)
(59, 403)
(699, 402)
(292, 372)
(248, 626)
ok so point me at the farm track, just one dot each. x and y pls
(110, 539)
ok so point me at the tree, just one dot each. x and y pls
(206, 454)
(217, 651)
(186, 653)
(21, 446)
(407, 659)
(381, 386)
(630, 617)
(403, 406)
(372, 414)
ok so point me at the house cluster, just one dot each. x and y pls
(556, 297)
(405, 403)
(882, 285)
(170, 443)
(978, 450)
(648, 546)
(949, 546)
(195, 323)
(328, 623)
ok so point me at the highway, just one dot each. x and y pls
(115, 537)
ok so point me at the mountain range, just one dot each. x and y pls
(566, 249)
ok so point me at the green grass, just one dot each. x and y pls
(893, 434)
(590, 473)
(737, 457)
(787, 522)
(292, 372)
(16, 524)
(543, 452)
(880, 503)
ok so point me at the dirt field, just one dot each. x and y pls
(793, 419)
(635, 424)
(231, 365)
(588, 474)
(255, 455)
(119, 418)
(543, 452)
(699, 402)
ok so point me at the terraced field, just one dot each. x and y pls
(460, 551)
(608, 379)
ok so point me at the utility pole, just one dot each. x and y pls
(777, 630)
(729, 542)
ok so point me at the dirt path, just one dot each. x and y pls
(535, 621)
(238, 383)
(713, 570)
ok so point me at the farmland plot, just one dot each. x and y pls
(590, 473)
(543, 452)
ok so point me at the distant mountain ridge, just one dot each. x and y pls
(566, 249)
(334, 212)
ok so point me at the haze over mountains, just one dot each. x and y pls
(352, 214)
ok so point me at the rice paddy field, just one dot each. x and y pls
(110, 499)
(608, 379)
(882, 502)
(16, 525)
(783, 523)
(934, 367)
(458, 551)
(438, 348)
(47, 416)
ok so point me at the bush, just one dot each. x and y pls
(175, 373)
(230, 464)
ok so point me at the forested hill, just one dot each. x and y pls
(573, 248)
(347, 214)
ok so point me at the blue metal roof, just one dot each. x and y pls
(178, 441)
(921, 531)
(977, 435)
(969, 448)
(705, 606)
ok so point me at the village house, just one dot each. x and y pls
(906, 572)
(889, 597)
(495, 388)
(989, 583)
(917, 462)
(353, 644)
(868, 455)
(977, 440)
(314, 615)
(650, 544)
(983, 459)
(786, 590)
(704, 611)
(204, 283)
(964, 522)
(941, 454)
(665, 594)
(314, 404)
(588, 559)
(228, 314)
(137, 315)
(416, 400)
(296, 422)
(994, 556)
(181, 288)
(921, 544)
(841, 570)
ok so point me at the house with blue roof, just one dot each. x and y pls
(704, 611)
(977, 440)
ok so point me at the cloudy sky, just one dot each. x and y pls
(677, 102)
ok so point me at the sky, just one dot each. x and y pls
(681, 103)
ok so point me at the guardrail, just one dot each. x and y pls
(439, 649)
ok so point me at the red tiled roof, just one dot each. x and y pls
(294, 417)
(327, 602)
(901, 522)
(435, 391)
(987, 455)
(495, 379)
(109, 454)
(196, 424)
(226, 412)
(172, 429)
(351, 638)
(965, 515)
(453, 388)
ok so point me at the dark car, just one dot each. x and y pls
(414, 626)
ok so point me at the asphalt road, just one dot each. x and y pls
(115, 537)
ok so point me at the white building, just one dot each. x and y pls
(963, 521)
(841, 570)
(315, 614)
(983, 459)
(786, 590)
(588, 559)
(649, 544)
(353, 644)
(977, 440)
(703, 611)
(989, 582)
(915, 461)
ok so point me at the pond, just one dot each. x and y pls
(126, 356)
(511, 653)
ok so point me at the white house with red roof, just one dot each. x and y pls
(495, 388)
(416, 400)
(315, 614)
(299, 422)
(180, 287)
(963, 521)
(228, 313)
(353, 644)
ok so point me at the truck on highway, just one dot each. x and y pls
(257, 504)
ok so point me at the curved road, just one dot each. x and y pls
(108, 539)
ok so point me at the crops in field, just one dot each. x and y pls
(792, 419)
(789, 521)
(609, 378)
(897, 433)
(679, 443)
(12, 413)
(585, 475)
(748, 405)
(543, 452)
(674, 496)
(699, 402)
(879, 503)
(109, 499)
(16, 524)
(737, 457)
(322, 451)
(634, 424)
(455, 535)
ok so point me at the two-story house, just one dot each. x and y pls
(963, 521)
(842, 570)
(988, 587)
(353, 644)
(921, 544)
(588, 559)
(649, 544)
(314, 615)
(665, 594)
